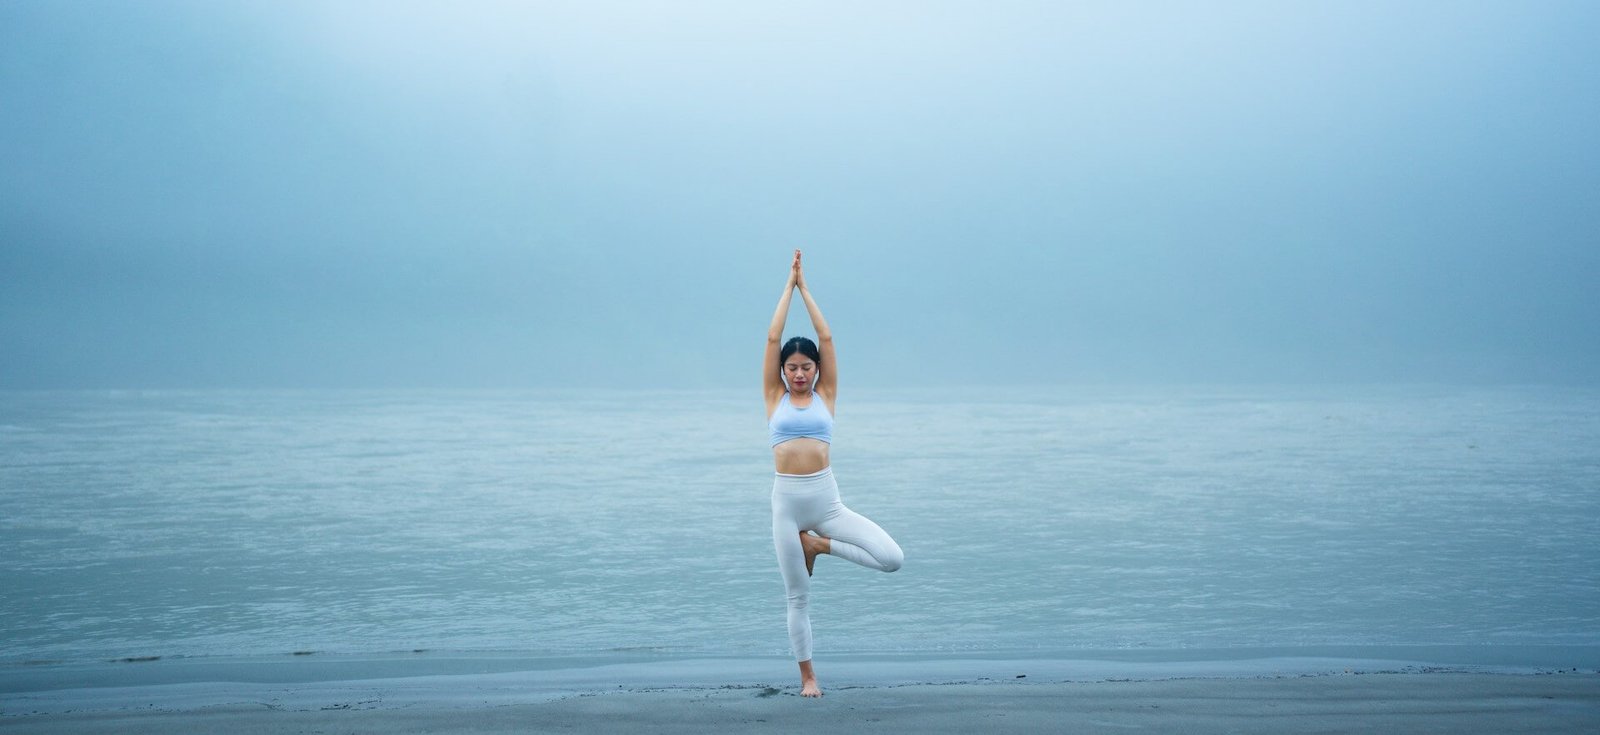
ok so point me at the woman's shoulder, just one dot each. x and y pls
(774, 399)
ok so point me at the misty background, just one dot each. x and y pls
(379, 194)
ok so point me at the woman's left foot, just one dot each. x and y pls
(813, 546)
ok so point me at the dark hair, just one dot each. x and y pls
(801, 345)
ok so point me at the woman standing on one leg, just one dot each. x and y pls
(801, 384)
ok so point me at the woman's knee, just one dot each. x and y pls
(893, 560)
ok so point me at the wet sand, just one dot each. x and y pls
(1265, 696)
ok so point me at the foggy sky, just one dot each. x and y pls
(377, 194)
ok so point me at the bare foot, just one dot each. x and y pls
(808, 681)
(813, 546)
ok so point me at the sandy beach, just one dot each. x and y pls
(1279, 695)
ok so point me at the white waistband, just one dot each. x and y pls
(819, 473)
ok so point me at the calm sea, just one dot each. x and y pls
(240, 523)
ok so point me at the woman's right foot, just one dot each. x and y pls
(813, 546)
(808, 680)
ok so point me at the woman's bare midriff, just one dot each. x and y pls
(801, 456)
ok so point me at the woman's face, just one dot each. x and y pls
(800, 372)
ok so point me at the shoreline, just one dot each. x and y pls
(40, 694)
(307, 667)
(1262, 695)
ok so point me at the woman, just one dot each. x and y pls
(801, 386)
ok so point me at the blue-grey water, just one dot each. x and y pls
(217, 523)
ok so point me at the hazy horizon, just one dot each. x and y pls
(363, 194)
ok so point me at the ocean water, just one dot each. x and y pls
(218, 523)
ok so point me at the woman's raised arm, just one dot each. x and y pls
(771, 382)
(828, 379)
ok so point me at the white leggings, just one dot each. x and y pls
(811, 503)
